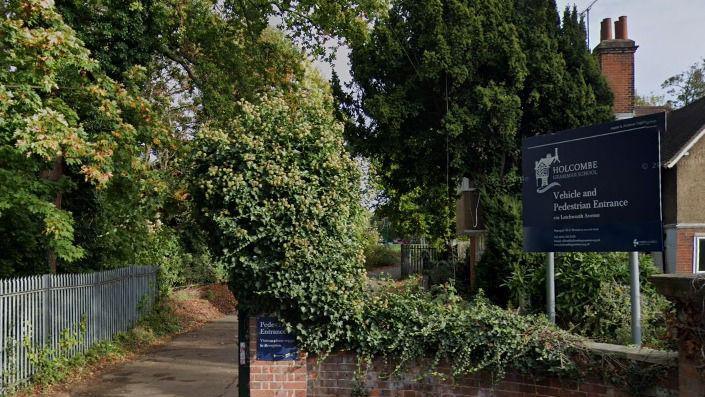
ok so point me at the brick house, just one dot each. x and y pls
(682, 153)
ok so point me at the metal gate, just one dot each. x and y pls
(414, 256)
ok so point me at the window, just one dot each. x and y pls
(699, 254)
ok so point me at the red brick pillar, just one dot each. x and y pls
(687, 292)
(275, 378)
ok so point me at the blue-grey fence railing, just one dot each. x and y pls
(36, 310)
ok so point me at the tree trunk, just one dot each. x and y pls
(54, 174)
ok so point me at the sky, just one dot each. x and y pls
(670, 35)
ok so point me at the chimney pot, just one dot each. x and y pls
(606, 29)
(620, 28)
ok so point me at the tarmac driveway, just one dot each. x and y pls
(201, 363)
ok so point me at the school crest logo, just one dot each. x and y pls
(542, 168)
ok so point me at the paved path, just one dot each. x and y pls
(200, 363)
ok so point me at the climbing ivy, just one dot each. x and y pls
(279, 192)
(409, 323)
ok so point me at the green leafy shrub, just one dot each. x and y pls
(579, 277)
(376, 254)
(381, 255)
(279, 194)
(409, 323)
(592, 296)
(607, 318)
(160, 320)
(50, 364)
(178, 267)
(447, 271)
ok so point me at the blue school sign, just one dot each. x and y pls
(595, 188)
(273, 342)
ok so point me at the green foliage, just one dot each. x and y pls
(564, 90)
(579, 277)
(436, 76)
(592, 296)
(499, 271)
(64, 126)
(92, 134)
(206, 55)
(411, 323)
(160, 320)
(177, 266)
(442, 272)
(120, 34)
(445, 90)
(279, 193)
(52, 365)
(607, 317)
(377, 254)
(688, 86)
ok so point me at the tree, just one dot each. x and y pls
(447, 90)
(565, 89)
(439, 87)
(168, 67)
(279, 193)
(120, 34)
(688, 86)
(205, 44)
(62, 123)
(650, 100)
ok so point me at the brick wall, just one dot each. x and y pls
(275, 378)
(685, 239)
(336, 378)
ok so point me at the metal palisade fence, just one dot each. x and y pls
(67, 314)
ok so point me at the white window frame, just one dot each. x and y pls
(696, 252)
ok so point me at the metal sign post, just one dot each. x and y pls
(635, 297)
(550, 287)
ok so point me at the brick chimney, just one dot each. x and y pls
(616, 59)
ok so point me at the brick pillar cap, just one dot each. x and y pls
(680, 286)
(615, 45)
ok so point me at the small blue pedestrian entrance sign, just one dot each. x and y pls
(273, 342)
(596, 188)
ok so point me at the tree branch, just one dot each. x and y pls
(181, 61)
